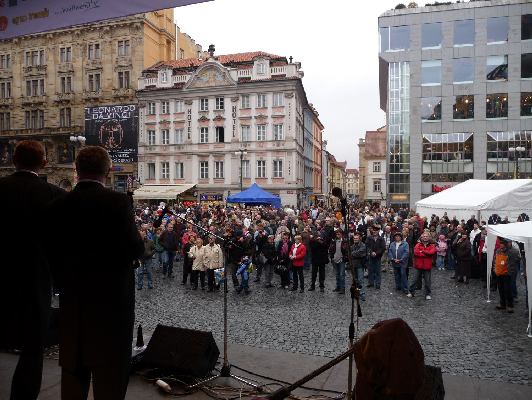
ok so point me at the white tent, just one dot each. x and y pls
(481, 198)
(520, 232)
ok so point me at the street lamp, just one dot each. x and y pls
(517, 152)
(242, 152)
(78, 140)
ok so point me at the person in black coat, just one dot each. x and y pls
(320, 257)
(25, 299)
(95, 274)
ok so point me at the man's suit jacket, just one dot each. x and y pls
(26, 292)
(93, 246)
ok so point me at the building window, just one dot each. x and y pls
(93, 51)
(165, 170)
(151, 170)
(5, 90)
(431, 73)
(497, 105)
(165, 135)
(497, 28)
(526, 104)
(261, 169)
(35, 58)
(218, 170)
(376, 166)
(179, 136)
(261, 100)
(34, 119)
(526, 27)
(94, 82)
(246, 133)
(220, 103)
(464, 107)
(501, 162)
(151, 109)
(430, 109)
(261, 132)
(164, 77)
(463, 70)
(66, 84)
(204, 105)
(5, 61)
(179, 106)
(277, 168)
(179, 170)
(5, 121)
(244, 101)
(394, 38)
(123, 79)
(496, 68)
(447, 157)
(219, 134)
(65, 54)
(526, 65)
(261, 68)
(431, 36)
(278, 99)
(35, 87)
(182, 53)
(65, 117)
(245, 169)
(165, 107)
(278, 133)
(204, 169)
(123, 48)
(151, 138)
(376, 185)
(204, 135)
(464, 33)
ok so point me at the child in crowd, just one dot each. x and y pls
(441, 251)
(243, 270)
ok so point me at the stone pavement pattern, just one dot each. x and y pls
(457, 329)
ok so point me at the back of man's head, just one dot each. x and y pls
(93, 162)
(29, 155)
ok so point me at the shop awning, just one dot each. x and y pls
(160, 192)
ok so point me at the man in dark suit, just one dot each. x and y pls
(94, 258)
(25, 298)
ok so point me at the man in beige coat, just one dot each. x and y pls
(197, 254)
(214, 259)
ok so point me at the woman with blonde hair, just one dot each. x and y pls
(197, 254)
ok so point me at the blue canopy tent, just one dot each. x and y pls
(255, 195)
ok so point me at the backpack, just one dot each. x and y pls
(501, 264)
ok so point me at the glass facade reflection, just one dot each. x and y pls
(464, 33)
(463, 70)
(526, 27)
(526, 65)
(431, 36)
(394, 38)
(506, 164)
(430, 109)
(497, 29)
(497, 105)
(431, 72)
(526, 104)
(464, 107)
(496, 68)
(447, 157)
(399, 133)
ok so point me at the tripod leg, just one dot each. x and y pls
(242, 380)
(204, 381)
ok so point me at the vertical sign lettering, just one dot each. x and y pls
(233, 115)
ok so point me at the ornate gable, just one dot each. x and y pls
(210, 74)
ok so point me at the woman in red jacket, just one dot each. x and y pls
(297, 255)
(423, 255)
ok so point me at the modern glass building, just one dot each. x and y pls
(456, 85)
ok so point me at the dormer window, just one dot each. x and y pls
(261, 68)
(164, 77)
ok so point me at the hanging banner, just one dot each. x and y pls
(115, 128)
(24, 17)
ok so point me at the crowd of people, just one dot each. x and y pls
(288, 241)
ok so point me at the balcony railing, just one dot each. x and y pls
(180, 78)
(278, 70)
(244, 73)
(150, 81)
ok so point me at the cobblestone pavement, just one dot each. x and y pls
(457, 329)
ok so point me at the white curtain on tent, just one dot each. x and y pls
(519, 232)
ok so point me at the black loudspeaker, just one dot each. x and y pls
(183, 351)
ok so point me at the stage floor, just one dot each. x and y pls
(279, 365)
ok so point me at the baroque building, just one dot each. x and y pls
(48, 79)
(222, 122)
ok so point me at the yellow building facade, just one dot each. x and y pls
(48, 79)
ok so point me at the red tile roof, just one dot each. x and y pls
(226, 59)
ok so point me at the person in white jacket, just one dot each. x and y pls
(214, 259)
(197, 254)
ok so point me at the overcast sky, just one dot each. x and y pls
(335, 40)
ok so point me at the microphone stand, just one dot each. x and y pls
(225, 371)
(354, 290)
